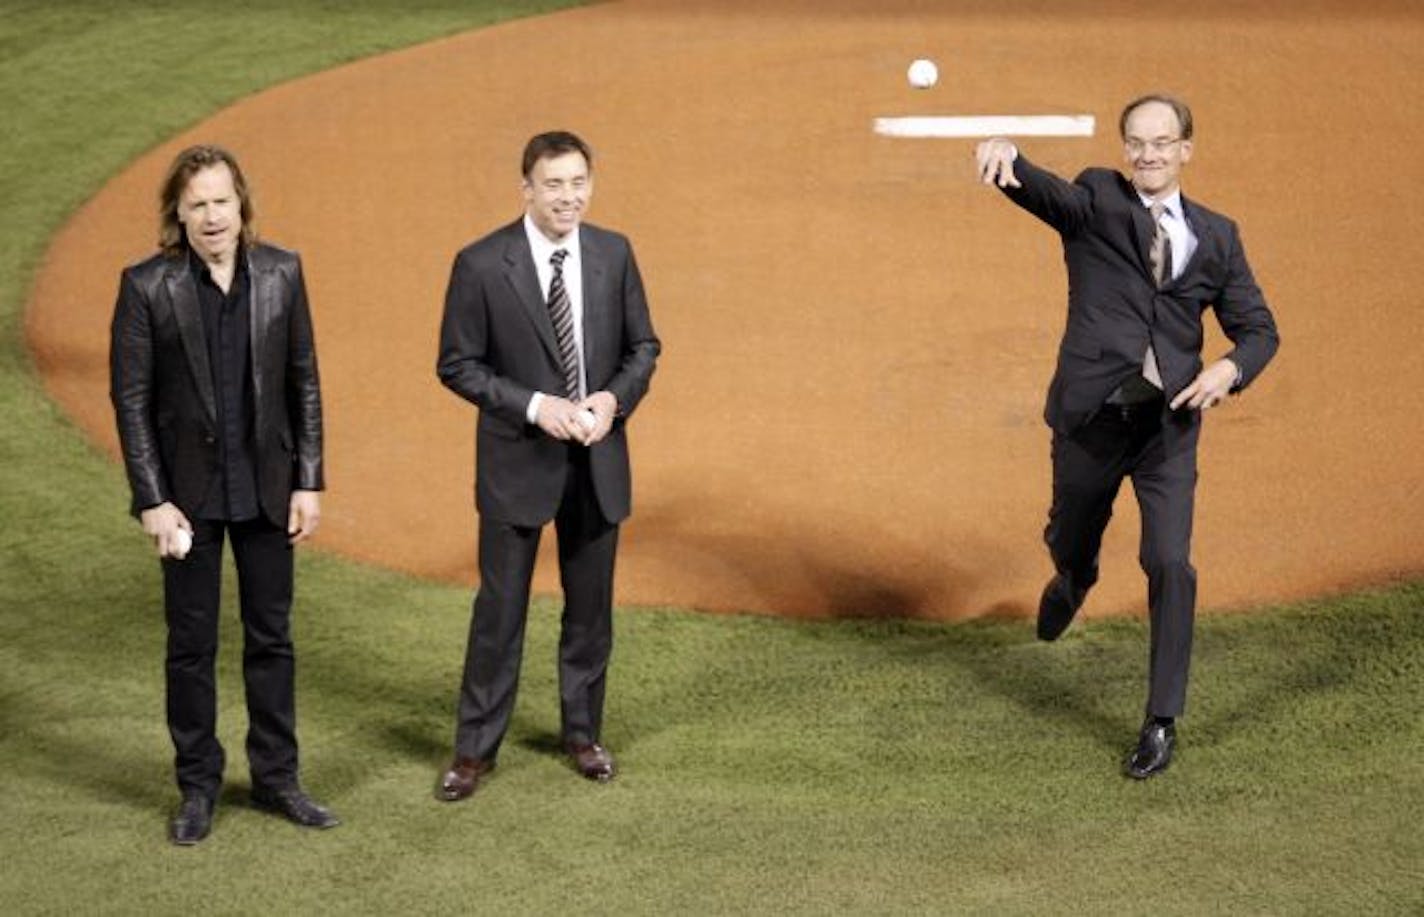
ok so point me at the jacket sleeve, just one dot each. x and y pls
(1064, 205)
(304, 390)
(1244, 316)
(131, 390)
(640, 343)
(465, 340)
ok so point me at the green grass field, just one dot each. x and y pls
(769, 766)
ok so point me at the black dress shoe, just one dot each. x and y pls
(592, 760)
(1057, 607)
(462, 779)
(295, 805)
(1153, 753)
(193, 821)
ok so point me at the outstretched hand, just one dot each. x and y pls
(995, 159)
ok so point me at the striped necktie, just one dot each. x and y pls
(561, 312)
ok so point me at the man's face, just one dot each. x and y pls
(556, 193)
(1154, 148)
(211, 213)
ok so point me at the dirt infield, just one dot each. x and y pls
(857, 337)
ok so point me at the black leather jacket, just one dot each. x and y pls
(161, 383)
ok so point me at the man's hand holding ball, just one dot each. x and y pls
(595, 417)
(170, 530)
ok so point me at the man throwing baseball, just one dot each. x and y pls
(214, 385)
(1130, 389)
(547, 330)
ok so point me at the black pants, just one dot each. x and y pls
(191, 597)
(587, 546)
(1088, 468)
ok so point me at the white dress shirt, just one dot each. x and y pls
(543, 248)
(1184, 241)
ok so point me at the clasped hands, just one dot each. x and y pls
(560, 417)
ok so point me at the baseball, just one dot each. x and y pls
(182, 543)
(923, 73)
(588, 419)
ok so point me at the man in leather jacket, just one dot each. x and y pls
(215, 389)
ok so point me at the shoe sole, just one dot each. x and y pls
(1144, 775)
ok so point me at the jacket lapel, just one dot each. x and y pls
(1142, 233)
(519, 271)
(1201, 228)
(263, 294)
(183, 293)
(596, 296)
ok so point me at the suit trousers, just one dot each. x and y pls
(191, 590)
(587, 548)
(1089, 465)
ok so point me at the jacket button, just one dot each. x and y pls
(210, 439)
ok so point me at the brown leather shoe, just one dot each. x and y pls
(592, 760)
(462, 779)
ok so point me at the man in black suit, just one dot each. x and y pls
(1127, 397)
(546, 329)
(214, 384)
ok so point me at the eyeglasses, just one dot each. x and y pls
(1160, 145)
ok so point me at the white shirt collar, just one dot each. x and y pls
(541, 246)
(1172, 203)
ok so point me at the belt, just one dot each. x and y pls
(1135, 390)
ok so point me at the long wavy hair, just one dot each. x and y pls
(186, 164)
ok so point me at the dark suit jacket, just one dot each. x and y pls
(497, 348)
(1114, 306)
(161, 383)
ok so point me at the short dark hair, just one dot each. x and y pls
(184, 166)
(1184, 114)
(554, 143)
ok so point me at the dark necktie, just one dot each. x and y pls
(1161, 253)
(561, 312)
(1161, 257)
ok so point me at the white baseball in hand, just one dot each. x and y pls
(180, 544)
(587, 419)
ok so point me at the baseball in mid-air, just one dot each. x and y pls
(922, 73)
(182, 543)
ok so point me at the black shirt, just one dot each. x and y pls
(232, 497)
